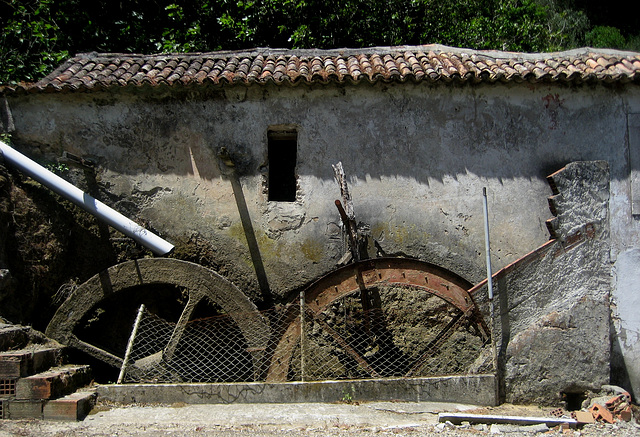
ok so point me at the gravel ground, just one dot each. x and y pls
(375, 418)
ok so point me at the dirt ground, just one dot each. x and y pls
(371, 418)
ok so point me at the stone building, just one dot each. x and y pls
(420, 131)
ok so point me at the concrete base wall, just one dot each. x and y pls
(476, 389)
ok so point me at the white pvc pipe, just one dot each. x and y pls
(72, 193)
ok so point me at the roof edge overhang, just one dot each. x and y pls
(433, 63)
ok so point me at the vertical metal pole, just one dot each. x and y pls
(487, 246)
(302, 336)
(127, 354)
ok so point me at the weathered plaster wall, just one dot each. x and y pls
(626, 318)
(552, 307)
(417, 157)
(4, 225)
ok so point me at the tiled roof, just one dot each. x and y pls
(429, 63)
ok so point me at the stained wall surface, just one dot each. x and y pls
(416, 157)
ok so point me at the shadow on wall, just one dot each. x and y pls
(400, 130)
(619, 372)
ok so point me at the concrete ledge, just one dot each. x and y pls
(473, 389)
(459, 418)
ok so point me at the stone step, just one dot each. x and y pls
(16, 337)
(54, 383)
(75, 406)
(13, 336)
(22, 409)
(26, 362)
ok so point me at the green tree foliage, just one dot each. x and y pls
(30, 43)
(38, 34)
(605, 36)
(566, 26)
(515, 25)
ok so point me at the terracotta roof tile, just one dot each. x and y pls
(433, 63)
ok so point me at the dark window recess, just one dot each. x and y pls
(282, 165)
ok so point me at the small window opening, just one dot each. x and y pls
(282, 151)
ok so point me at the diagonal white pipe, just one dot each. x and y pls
(93, 206)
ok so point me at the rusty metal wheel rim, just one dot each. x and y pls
(353, 277)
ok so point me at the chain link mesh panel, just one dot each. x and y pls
(390, 332)
(209, 350)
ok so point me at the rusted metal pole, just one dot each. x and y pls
(132, 338)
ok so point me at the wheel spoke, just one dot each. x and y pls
(364, 277)
(343, 343)
(117, 280)
(187, 311)
(434, 344)
(95, 351)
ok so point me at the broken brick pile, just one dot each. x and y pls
(616, 408)
(33, 382)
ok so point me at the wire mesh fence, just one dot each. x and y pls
(415, 336)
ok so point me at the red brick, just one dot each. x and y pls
(23, 409)
(16, 364)
(583, 416)
(626, 414)
(601, 413)
(53, 383)
(10, 366)
(8, 387)
(75, 406)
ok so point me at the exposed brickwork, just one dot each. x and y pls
(75, 406)
(31, 387)
(24, 409)
(15, 364)
(53, 383)
(7, 387)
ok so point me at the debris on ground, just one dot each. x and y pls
(382, 419)
(607, 412)
(612, 404)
